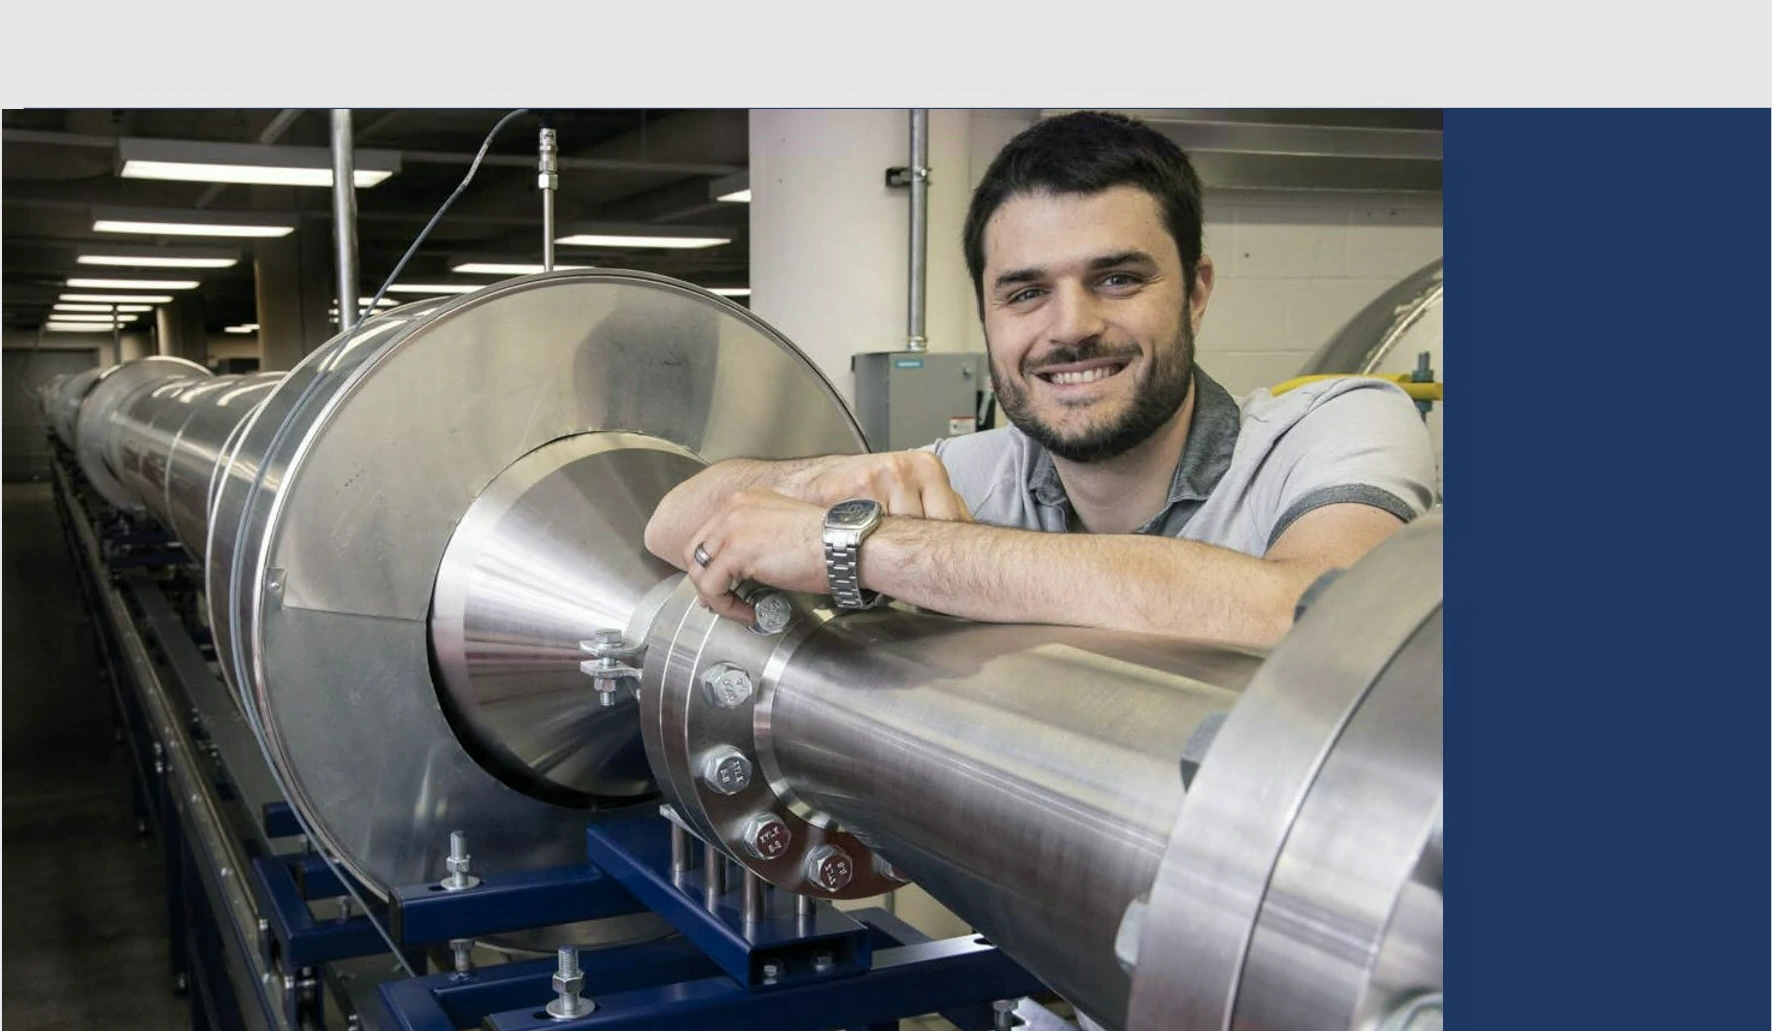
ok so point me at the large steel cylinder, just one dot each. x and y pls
(1027, 777)
(1097, 804)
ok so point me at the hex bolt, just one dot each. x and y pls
(727, 685)
(569, 981)
(1003, 1015)
(774, 613)
(884, 868)
(458, 862)
(726, 771)
(829, 867)
(463, 948)
(766, 836)
(771, 973)
(824, 963)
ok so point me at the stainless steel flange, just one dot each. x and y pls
(397, 485)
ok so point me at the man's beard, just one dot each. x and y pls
(1156, 398)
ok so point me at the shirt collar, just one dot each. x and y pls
(1211, 441)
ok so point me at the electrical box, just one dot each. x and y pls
(906, 399)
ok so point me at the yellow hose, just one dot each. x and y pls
(1418, 391)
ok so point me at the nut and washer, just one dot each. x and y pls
(727, 685)
(569, 982)
(884, 868)
(766, 836)
(829, 867)
(726, 771)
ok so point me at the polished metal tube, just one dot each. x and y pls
(919, 236)
(164, 440)
(1026, 776)
(344, 215)
(681, 856)
(548, 179)
(755, 902)
(713, 874)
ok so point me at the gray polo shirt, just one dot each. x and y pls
(1247, 472)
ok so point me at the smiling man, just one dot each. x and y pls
(1129, 491)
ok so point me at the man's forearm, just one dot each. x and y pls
(689, 505)
(1126, 582)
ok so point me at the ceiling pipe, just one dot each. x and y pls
(344, 216)
(919, 269)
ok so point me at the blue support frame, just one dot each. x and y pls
(655, 987)
(423, 913)
(636, 851)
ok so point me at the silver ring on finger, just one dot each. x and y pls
(702, 558)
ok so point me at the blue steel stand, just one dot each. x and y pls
(863, 969)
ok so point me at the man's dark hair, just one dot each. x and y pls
(1083, 153)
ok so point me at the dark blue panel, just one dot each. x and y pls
(1606, 668)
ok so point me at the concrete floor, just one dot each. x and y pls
(82, 909)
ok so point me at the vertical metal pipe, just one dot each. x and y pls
(681, 858)
(713, 873)
(919, 267)
(755, 901)
(344, 215)
(548, 179)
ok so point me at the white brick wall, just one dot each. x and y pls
(1291, 269)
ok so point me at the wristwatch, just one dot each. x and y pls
(846, 525)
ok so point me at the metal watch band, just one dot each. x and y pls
(841, 562)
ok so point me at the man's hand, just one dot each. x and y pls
(757, 535)
(905, 483)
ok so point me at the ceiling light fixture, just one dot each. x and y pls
(622, 240)
(498, 268)
(245, 327)
(642, 234)
(730, 291)
(105, 319)
(118, 298)
(78, 327)
(172, 222)
(134, 284)
(103, 307)
(733, 189)
(161, 257)
(434, 288)
(249, 163)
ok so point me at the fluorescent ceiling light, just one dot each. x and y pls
(104, 307)
(622, 240)
(134, 284)
(730, 291)
(434, 288)
(251, 163)
(496, 268)
(105, 319)
(77, 327)
(166, 259)
(734, 189)
(175, 222)
(119, 298)
(248, 327)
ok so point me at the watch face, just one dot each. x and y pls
(851, 514)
